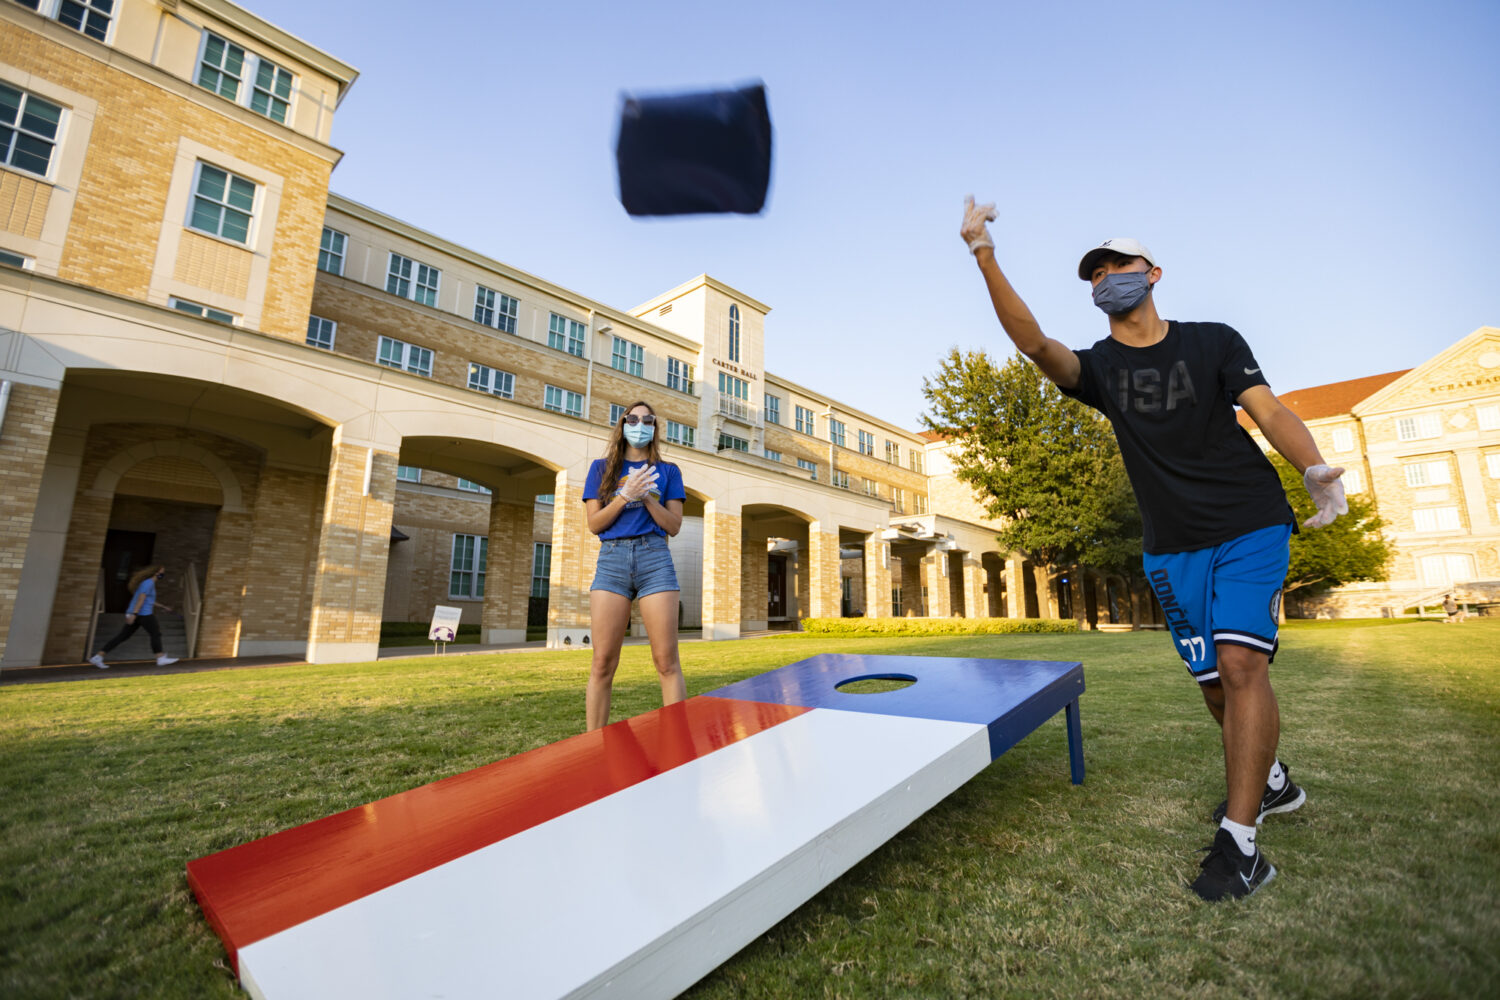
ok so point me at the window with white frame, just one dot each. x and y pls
(872, 488)
(541, 569)
(226, 68)
(14, 259)
(896, 602)
(495, 309)
(1429, 519)
(773, 409)
(331, 251)
(408, 474)
(320, 332)
(413, 280)
(29, 128)
(839, 479)
(1446, 570)
(1419, 427)
(809, 467)
(560, 400)
(734, 333)
(199, 309)
(1343, 439)
(897, 500)
(466, 575)
(408, 357)
(628, 357)
(1427, 474)
(91, 17)
(565, 334)
(546, 498)
(1489, 417)
(920, 499)
(492, 380)
(616, 411)
(683, 434)
(836, 431)
(469, 486)
(738, 388)
(892, 452)
(729, 442)
(1353, 481)
(679, 376)
(772, 454)
(916, 460)
(1492, 462)
(866, 443)
(223, 204)
(804, 418)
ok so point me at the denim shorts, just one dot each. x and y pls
(635, 567)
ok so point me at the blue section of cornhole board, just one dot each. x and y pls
(1010, 697)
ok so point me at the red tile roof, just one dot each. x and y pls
(1329, 400)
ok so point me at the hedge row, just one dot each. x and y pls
(935, 626)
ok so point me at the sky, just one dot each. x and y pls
(1322, 176)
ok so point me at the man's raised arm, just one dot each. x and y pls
(1054, 358)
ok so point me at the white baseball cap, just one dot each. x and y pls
(1125, 248)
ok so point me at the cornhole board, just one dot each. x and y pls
(627, 862)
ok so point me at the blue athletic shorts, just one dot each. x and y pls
(1229, 594)
(635, 567)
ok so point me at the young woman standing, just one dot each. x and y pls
(634, 503)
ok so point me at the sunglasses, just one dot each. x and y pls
(633, 418)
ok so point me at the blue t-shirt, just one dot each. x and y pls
(148, 604)
(635, 519)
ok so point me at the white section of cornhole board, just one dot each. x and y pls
(642, 893)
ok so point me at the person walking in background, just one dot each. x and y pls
(634, 503)
(140, 613)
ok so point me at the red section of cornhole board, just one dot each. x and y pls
(257, 889)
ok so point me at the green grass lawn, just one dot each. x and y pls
(1019, 884)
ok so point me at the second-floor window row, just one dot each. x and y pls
(241, 76)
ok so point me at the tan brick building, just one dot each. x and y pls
(321, 417)
(1424, 446)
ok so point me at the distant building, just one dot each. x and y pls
(1424, 445)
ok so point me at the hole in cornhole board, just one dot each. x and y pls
(875, 683)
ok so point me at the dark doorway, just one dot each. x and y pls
(124, 553)
(1028, 584)
(776, 587)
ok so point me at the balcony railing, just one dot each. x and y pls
(738, 409)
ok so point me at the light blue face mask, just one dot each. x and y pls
(1121, 292)
(639, 435)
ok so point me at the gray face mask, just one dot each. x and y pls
(1121, 292)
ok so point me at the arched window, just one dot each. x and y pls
(734, 333)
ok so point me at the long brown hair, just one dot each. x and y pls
(614, 455)
(140, 576)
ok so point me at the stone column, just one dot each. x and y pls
(824, 588)
(507, 578)
(722, 534)
(935, 574)
(912, 575)
(877, 576)
(1015, 586)
(975, 600)
(355, 541)
(221, 623)
(277, 607)
(755, 595)
(25, 439)
(575, 556)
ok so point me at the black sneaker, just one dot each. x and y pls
(1227, 873)
(1282, 800)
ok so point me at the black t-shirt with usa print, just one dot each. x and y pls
(1198, 476)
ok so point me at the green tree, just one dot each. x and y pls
(1045, 465)
(1349, 550)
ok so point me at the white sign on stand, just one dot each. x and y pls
(444, 627)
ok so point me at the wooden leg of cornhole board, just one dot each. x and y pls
(628, 862)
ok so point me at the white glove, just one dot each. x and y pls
(974, 231)
(1327, 491)
(639, 483)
